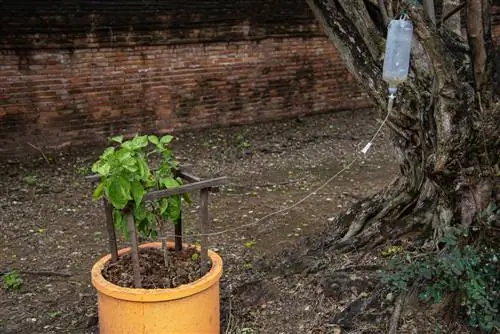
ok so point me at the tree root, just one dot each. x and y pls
(392, 213)
(346, 318)
(398, 308)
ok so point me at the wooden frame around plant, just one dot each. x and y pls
(194, 184)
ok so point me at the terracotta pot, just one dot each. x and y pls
(189, 308)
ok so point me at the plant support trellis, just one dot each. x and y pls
(194, 184)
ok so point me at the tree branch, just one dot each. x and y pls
(336, 20)
(430, 10)
(479, 37)
(440, 57)
(390, 12)
(383, 11)
(365, 26)
(451, 13)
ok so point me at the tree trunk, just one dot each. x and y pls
(443, 128)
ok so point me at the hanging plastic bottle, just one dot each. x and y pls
(397, 53)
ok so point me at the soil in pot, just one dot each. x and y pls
(183, 267)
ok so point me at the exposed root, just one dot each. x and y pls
(360, 214)
(40, 151)
(398, 308)
(396, 211)
(391, 201)
(346, 318)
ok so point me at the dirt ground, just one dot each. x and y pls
(53, 231)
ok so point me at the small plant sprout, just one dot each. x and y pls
(242, 142)
(31, 180)
(11, 280)
(55, 314)
(250, 244)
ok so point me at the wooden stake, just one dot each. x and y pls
(110, 227)
(204, 229)
(135, 250)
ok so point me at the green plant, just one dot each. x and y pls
(242, 142)
(127, 175)
(471, 272)
(250, 244)
(31, 180)
(83, 170)
(11, 280)
(55, 314)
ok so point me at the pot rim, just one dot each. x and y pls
(155, 295)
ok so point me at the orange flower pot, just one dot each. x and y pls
(187, 309)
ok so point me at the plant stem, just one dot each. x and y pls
(134, 251)
(204, 229)
(164, 247)
(165, 251)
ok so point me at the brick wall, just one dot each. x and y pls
(60, 97)
(73, 73)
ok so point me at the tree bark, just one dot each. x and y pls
(435, 127)
(480, 43)
(430, 10)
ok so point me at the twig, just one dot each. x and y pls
(283, 183)
(45, 273)
(40, 151)
(134, 250)
(353, 196)
(398, 308)
(451, 13)
(204, 230)
(366, 267)
(317, 308)
(383, 11)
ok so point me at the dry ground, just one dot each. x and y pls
(53, 231)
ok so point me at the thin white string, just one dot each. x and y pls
(303, 199)
(288, 208)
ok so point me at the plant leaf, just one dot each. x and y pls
(163, 205)
(117, 139)
(138, 192)
(101, 167)
(139, 142)
(118, 192)
(169, 182)
(174, 208)
(166, 139)
(119, 221)
(143, 169)
(99, 190)
(107, 153)
(187, 198)
(154, 140)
